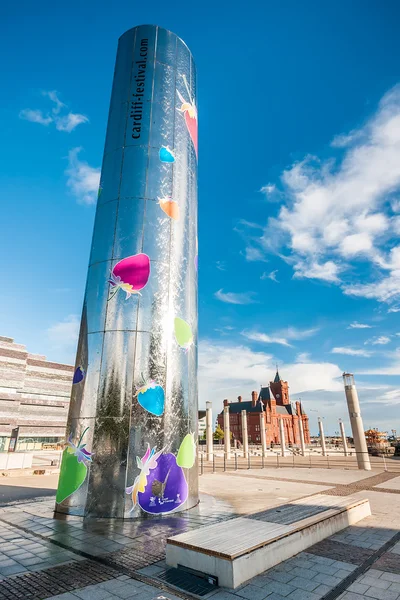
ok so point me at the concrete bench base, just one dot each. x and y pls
(234, 551)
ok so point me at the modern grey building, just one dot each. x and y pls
(132, 423)
(34, 396)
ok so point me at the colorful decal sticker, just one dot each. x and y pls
(166, 488)
(166, 155)
(73, 468)
(151, 397)
(79, 375)
(189, 111)
(183, 333)
(187, 452)
(170, 207)
(130, 275)
(147, 463)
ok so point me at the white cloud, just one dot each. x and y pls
(254, 254)
(70, 121)
(257, 336)
(221, 265)
(380, 341)
(394, 309)
(327, 271)
(83, 180)
(271, 275)
(63, 337)
(232, 298)
(66, 122)
(280, 337)
(356, 325)
(340, 212)
(303, 357)
(225, 371)
(35, 116)
(351, 351)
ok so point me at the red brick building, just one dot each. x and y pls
(274, 401)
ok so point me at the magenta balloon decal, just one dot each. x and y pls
(130, 274)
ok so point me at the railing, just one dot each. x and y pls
(255, 460)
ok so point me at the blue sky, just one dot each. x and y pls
(299, 187)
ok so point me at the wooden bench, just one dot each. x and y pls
(236, 550)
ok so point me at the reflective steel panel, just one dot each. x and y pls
(132, 424)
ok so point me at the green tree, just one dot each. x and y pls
(218, 433)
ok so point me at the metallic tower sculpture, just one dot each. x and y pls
(133, 414)
(356, 422)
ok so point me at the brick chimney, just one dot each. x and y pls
(254, 398)
(298, 408)
(226, 402)
(239, 398)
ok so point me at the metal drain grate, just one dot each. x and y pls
(186, 581)
(56, 580)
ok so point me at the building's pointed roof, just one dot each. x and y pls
(277, 376)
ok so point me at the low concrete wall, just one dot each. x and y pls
(15, 460)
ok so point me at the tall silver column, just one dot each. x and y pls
(356, 422)
(245, 435)
(227, 434)
(132, 422)
(322, 436)
(343, 434)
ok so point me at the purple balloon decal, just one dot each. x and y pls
(79, 375)
(130, 275)
(166, 487)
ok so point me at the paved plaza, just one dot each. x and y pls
(67, 559)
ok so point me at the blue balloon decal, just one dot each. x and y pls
(151, 397)
(166, 155)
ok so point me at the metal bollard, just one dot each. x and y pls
(262, 461)
(236, 465)
(277, 461)
(248, 461)
(327, 458)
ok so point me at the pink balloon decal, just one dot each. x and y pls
(130, 274)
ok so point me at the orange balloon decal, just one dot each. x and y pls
(170, 207)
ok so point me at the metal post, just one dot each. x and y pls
(262, 461)
(356, 422)
(227, 433)
(224, 461)
(209, 432)
(245, 435)
(322, 436)
(213, 459)
(343, 434)
(236, 464)
(248, 461)
(202, 463)
(282, 437)
(277, 460)
(263, 434)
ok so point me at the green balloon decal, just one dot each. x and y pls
(183, 333)
(73, 468)
(187, 452)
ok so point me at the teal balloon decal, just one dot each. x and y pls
(166, 155)
(151, 397)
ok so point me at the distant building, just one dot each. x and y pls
(274, 401)
(34, 396)
(201, 423)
